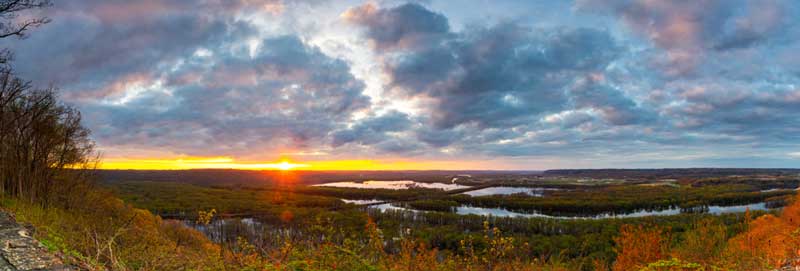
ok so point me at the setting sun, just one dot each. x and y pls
(288, 166)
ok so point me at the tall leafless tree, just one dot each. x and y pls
(42, 140)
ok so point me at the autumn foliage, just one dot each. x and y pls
(773, 241)
(639, 245)
(766, 243)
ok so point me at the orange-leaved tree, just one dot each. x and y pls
(638, 245)
(769, 242)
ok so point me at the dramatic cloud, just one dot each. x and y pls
(604, 83)
(106, 43)
(286, 95)
(565, 89)
(501, 77)
(409, 26)
(498, 76)
(199, 82)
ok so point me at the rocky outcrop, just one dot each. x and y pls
(791, 265)
(19, 251)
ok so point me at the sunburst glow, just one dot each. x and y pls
(282, 164)
(198, 163)
(288, 166)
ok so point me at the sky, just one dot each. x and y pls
(472, 84)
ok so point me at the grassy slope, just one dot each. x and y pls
(110, 234)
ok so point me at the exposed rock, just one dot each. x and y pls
(19, 251)
(792, 265)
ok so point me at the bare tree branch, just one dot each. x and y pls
(12, 26)
(19, 30)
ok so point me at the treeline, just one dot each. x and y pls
(181, 200)
(39, 135)
(761, 182)
(619, 199)
(625, 199)
(670, 173)
(367, 194)
(39, 138)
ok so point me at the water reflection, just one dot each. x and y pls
(394, 185)
(226, 230)
(774, 189)
(500, 212)
(362, 201)
(389, 206)
(507, 190)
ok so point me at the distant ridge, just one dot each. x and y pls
(670, 172)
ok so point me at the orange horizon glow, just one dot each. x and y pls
(197, 163)
(282, 164)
